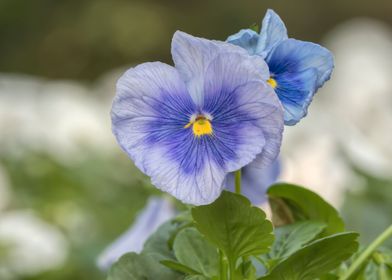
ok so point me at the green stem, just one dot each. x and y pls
(232, 270)
(223, 266)
(237, 181)
(365, 254)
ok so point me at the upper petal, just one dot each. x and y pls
(192, 55)
(272, 33)
(245, 38)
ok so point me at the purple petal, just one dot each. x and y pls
(192, 55)
(245, 110)
(156, 212)
(151, 103)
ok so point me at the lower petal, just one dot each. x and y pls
(192, 175)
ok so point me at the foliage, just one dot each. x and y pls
(230, 239)
(76, 199)
(294, 203)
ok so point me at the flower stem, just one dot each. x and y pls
(237, 181)
(366, 253)
(223, 266)
(232, 270)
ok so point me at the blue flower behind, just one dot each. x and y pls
(155, 213)
(297, 68)
(188, 127)
(255, 181)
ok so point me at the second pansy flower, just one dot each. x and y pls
(297, 68)
(187, 127)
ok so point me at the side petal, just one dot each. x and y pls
(192, 55)
(156, 212)
(295, 91)
(245, 38)
(299, 68)
(295, 55)
(255, 181)
(151, 103)
(273, 32)
(245, 112)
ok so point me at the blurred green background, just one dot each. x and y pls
(83, 39)
(88, 192)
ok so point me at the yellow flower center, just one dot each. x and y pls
(272, 82)
(200, 126)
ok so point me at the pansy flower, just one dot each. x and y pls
(255, 181)
(156, 212)
(297, 68)
(190, 125)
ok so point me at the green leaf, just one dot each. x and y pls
(236, 227)
(255, 27)
(385, 272)
(179, 267)
(316, 259)
(291, 238)
(292, 203)
(194, 251)
(379, 267)
(158, 242)
(329, 276)
(248, 270)
(196, 277)
(132, 266)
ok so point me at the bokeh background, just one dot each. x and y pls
(66, 189)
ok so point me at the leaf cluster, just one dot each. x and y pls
(232, 240)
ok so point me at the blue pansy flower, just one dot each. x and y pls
(297, 68)
(255, 181)
(188, 127)
(156, 212)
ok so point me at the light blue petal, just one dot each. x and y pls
(297, 56)
(245, 109)
(156, 212)
(255, 181)
(273, 32)
(245, 38)
(192, 55)
(295, 91)
(299, 68)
